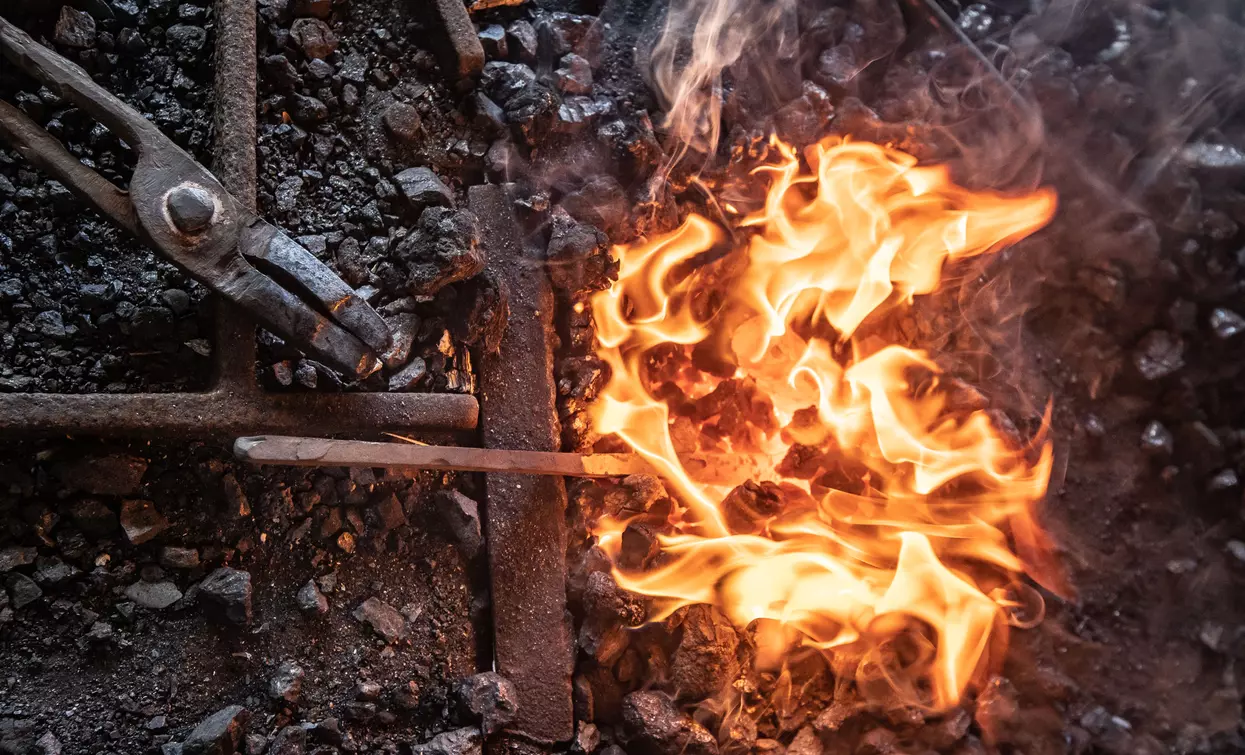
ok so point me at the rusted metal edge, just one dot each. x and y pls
(461, 41)
(525, 515)
(229, 413)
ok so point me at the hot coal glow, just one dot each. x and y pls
(886, 524)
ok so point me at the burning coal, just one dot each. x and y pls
(884, 506)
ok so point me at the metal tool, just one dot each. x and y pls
(176, 206)
(283, 450)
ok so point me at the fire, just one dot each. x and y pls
(878, 531)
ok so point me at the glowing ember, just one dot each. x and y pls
(879, 529)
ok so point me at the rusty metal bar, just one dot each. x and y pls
(225, 412)
(526, 514)
(284, 450)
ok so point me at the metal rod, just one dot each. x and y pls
(282, 450)
(224, 413)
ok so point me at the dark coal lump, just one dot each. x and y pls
(579, 256)
(444, 249)
(226, 594)
(489, 698)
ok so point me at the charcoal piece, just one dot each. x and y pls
(705, 662)
(503, 162)
(443, 249)
(493, 38)
(311, 601)
(879, 741)
(409, 377)
(574, 75)
(465, 741)
(652, 725)
(950, 728)
(307, 111)
(1225, 323)
(219, 733)
(485, 323)
(489, 698)
(226, 595)
(1222, 480)
(14, 556)
(488, 115)
(140, 521)
(94, 518)
(153, 595)
(313, 37)
(739, 737)
(22, 590)
(280, 72)
(521, 41)
(462, 516)
(1158, 355)
(579, 256)
(576, 113)
(633, 143)
(423, 188)
(600, 202)
(532, 113)
(405, 327)
(382, 618)
(1156, 439)
(175, 557)
(503, 81)
(639, 545)
(560, 33)
(292, 740)
(402, 121)
(286, 682)
(74, 28)
(748, 508)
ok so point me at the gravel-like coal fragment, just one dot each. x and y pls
(186, 38)
(503, 81)
(579, 256)
(489, 698)
(1225, 323)
(493, 38)
(423, 188)
(313, 37)
(409, 377)
(219, 733)
(402, 121)
(1157, 439)
(177, 557)
(465, 741)
(383, 618)
(280, 72)
(14, 556)
(462, 516)
(286, 682)
(574, 76)
(521, 41)
(444, 249)
(705, 661)
(22, 590)
(292, 740)
(153, 595)
(311, 601)
(226, 593)
(307, 111)
(652, 725)
(1158, 355)
(140, 521)
(75, 28)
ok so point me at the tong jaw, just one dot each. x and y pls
(178, 207)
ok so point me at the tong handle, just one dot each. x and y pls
(72, 83)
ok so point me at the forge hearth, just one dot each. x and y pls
(840, 376)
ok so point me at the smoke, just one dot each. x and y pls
(689, 62)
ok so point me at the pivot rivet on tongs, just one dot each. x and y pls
(191, 208)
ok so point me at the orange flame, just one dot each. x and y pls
(896, 524)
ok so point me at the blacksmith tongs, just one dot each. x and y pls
(176, 206)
